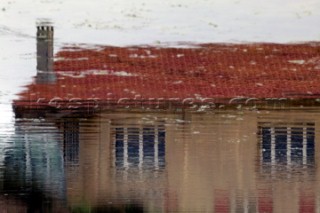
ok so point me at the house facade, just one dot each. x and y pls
(219, 162)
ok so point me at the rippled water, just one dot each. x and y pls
(219, 161)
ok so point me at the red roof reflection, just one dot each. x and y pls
(144, 75)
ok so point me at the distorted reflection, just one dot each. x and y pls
(115, 162)
(287, 146)
(159, 162)
(45, 40)
(142, 148)
(33, 172)
(71, 141)
(37, 156)
(290, 144)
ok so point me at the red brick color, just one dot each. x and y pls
(144, 75)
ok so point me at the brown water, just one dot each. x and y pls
(219, 161)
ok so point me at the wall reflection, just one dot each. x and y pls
(204, 162)
(176, 162)
(228, 161)
(120, 161)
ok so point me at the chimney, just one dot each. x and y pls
(45, 72)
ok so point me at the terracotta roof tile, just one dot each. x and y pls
(139, 75)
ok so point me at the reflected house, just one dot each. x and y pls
(162, 166)
(152, 161)
(206, 162)
(159, 162)
(183, 161)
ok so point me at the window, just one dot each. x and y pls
(287, 143)
(71, 142)
(142, 147)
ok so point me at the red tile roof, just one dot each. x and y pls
(125, 76)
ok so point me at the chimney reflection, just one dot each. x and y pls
(45, 72)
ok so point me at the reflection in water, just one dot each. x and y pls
(287, 144)
(45, 73)
(71, 141)
(142, 147)
(33, 172)
(226, 161)
(287, 161)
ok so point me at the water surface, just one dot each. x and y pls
(218, 161)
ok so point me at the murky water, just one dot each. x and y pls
(219, 161)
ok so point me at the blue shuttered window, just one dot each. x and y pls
(140, 147)
(287, 143)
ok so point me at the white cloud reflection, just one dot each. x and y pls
(148, 21)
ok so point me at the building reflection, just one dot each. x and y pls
(156, 162)
(206, 162)
(115, 160)
(222, 161)
(159, 162)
